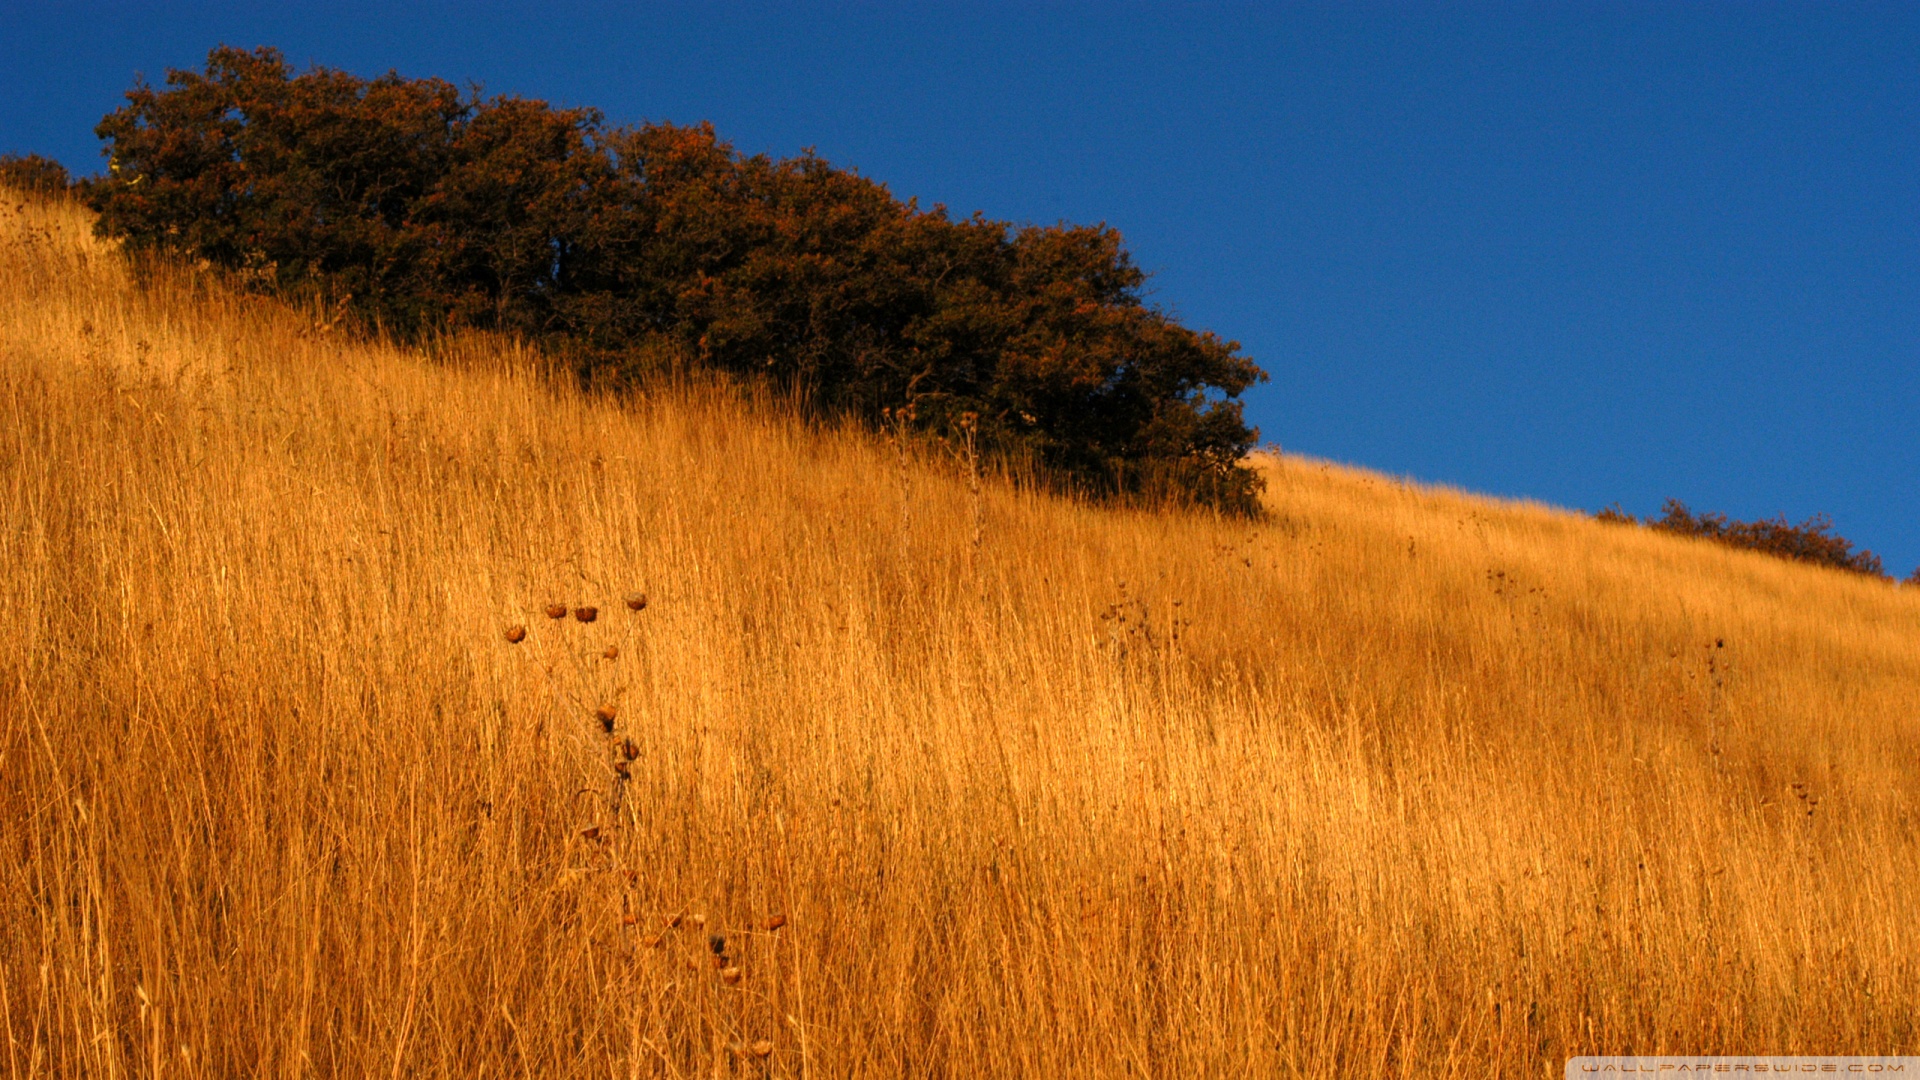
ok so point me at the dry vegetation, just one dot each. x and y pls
(1400, 782)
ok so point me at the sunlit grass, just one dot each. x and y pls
(367, 715)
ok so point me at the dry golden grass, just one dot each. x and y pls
(1401, 782)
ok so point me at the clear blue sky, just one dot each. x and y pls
(1578, 252)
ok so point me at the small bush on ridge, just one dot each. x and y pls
(1811, 541)
(31, 172)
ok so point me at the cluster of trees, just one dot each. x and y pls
(1811, 541)
(425, 209)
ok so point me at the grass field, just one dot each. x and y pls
(961, 783)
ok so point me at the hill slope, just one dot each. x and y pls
(1402, 781)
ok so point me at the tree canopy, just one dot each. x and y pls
(425, 209)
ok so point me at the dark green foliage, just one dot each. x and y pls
(1811, 541)
(31, 172)
(429, 209)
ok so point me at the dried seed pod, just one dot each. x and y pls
(652, 941)
(623, 770)
(674, 920)
(775, 922)
(636, 601)
(761, 1047)
(718, 944)
(629, 749)
(516, 634)
(556, 611)
(586, 614)
(730, 976)
(612, 653)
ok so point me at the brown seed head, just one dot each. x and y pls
(612, 653)
(516, 634)
(652, 941)
(586, 614)
(629, 749)
(730, 976)
(636, 600)
(775, 922)
(556, 611)
(623, 770)
(762, 1047)
(606, 713)
(673, 920)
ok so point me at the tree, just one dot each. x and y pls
(431, 209)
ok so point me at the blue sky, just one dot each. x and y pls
(1576, 252)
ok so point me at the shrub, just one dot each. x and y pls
(31, 172)
(429, 209)
(1811, 541)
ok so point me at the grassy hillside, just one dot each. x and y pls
(1399, 782)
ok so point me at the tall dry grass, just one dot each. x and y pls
(1399, 782)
